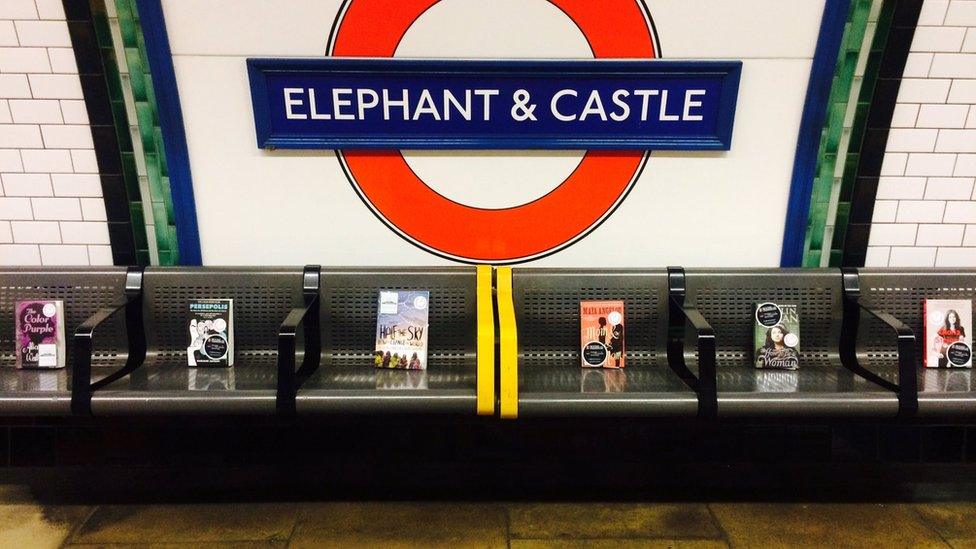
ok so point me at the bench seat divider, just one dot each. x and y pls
(907, 387)
(704, 384)
(84, 339)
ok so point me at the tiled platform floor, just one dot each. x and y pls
(26, 522)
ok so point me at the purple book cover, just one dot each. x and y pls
(39, 334)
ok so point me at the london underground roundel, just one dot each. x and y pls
(445, 227)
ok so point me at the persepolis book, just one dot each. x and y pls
(211, 327)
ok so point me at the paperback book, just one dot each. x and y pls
(602, 334)
(39, 334)
(401, 330)
(947, 326)
(211, 326)
(777, 336)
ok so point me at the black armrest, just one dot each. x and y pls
(306, 318)
(679, 314)
(698, 322)
(907, 387)
(83, 341)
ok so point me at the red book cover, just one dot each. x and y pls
(602, 334)
(947, 333)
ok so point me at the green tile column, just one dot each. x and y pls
(103, 34)
(842, 134)
(144, 158)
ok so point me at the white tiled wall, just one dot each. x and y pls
(51, 210)
(925, 213)
(677, 195)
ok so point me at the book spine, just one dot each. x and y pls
(926, 337)
(18, 351)
(61, 342)
(925, 334)
(230, 332)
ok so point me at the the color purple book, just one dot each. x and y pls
(39, 334)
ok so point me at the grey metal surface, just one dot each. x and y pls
(84, 291)
(442, 388)
(537, 376)
(166, 385)
(262, 298)
(551, 379)
(820, 405)
(818, 388)
(35, 392)
(814, 376)
(563, 388)
(822, 386)
(346, 380)
(944, 392)
(902, 292)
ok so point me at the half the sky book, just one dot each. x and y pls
(401, 329)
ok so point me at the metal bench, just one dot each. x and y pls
(539, 311)
(460, 372)
(89, 295)
(304, 343)
(164, 384)
(942, 393)
(824, 385)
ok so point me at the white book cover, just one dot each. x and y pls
(211, 326)
(948, 326)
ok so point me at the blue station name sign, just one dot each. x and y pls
(351, 103)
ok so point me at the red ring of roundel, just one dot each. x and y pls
(374, 28)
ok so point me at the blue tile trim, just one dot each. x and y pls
(811, 127)
(174, 133)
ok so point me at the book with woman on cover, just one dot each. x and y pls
(602, 334)
(777, 336)
(947, 331)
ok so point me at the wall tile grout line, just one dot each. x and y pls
(944, 105)
(41, 141)
(91, 68)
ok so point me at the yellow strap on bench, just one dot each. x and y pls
(508, 349)
(486, 344)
